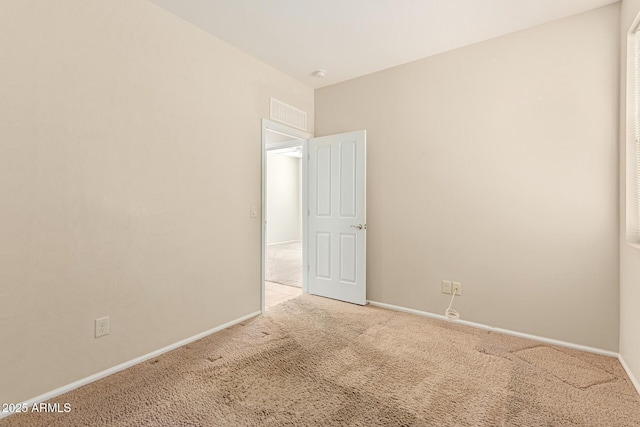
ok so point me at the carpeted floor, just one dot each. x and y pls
(283, 264)
(317, 362)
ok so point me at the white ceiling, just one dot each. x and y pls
(351, 38)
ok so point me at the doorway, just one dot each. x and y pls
(283, 222)
(331, 208)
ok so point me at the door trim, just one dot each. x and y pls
(271, 126)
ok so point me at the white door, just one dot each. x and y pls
(337, 217)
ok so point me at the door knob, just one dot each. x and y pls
(359, 226)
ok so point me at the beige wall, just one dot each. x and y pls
(496, 165)
(629, 256)
(284, 211)
(129, 157)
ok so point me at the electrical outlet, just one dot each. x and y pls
(102, 326)
(456, 288)
(446, 287)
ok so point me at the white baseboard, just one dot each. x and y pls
(282, 243)
(84, 381)
(500, 330)
(632, 377)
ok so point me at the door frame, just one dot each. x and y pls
(302, 140)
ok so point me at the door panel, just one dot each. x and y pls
(337, 216)
(323, 270)
(348, 179)
(323, 182)
(348, 255)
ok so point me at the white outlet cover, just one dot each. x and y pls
(446, 287)
(102, 327)
(456, 288)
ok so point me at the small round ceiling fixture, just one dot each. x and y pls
(319, 73)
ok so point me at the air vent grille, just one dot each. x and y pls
(287, 114)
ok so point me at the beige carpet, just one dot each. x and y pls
(316, 362)
(283, 264)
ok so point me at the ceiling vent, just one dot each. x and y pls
(287, 114)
